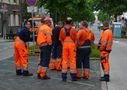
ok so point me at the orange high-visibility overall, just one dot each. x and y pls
(44, 41)
(21, 54)
(105, 46)
(69, 48)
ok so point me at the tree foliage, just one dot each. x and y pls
(60, 9)
(25, 14)
(103, 16)
(111, 7)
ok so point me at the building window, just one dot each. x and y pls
(11, 23)
(11, 1)
(15, 1)
(16, 20)
(14, 13)
(5, 1)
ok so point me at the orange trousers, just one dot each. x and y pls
(21, 54)
(105, 61)
(69, 53)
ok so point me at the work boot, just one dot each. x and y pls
(19, 72)
(27, 73)
(64, 77)
(105, 78)
(38, 76)
(87, 76)
(58, 68)
(73, 76)
(52, 65)
(44, 78)
(79, 74)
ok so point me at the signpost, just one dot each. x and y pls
(31, 2)
(32, 9)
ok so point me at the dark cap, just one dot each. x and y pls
(69, 20)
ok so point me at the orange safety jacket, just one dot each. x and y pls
(90, 35)
(44, 35)
(106, 41)
(63, 35)
(81, 37)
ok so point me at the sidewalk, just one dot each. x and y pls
(12, 82)
(5, 40)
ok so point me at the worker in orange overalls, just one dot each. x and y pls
(44, 40)
(21, 50)
(105, 46)
(56, 59)
(85, 38)
(68, 38)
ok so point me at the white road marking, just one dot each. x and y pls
(120, 43)
(5, 58)
(76, 82)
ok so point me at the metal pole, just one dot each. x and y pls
(33, 27)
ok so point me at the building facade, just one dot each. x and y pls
(10, 16)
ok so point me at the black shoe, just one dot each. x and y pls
(105, 78)
(78, 78)
(85, 78)
(74, 79)
(19, 72)
(27, 73)
(44, 78)
(38, 76)
(64, 77)
(73, 76)
(58, 70)
(52, 69)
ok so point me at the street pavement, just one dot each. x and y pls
(118, 62)
(6, 50)
(9, 81)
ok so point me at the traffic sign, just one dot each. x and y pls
(31, 9)
(31, 2)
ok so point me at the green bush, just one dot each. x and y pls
(33, 50)
(95, 52)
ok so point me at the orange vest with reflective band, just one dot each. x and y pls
(72, 34)
(44, 34)
(106, 40)
(81, 37)
(90, 35)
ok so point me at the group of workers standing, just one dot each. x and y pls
(65, 46)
